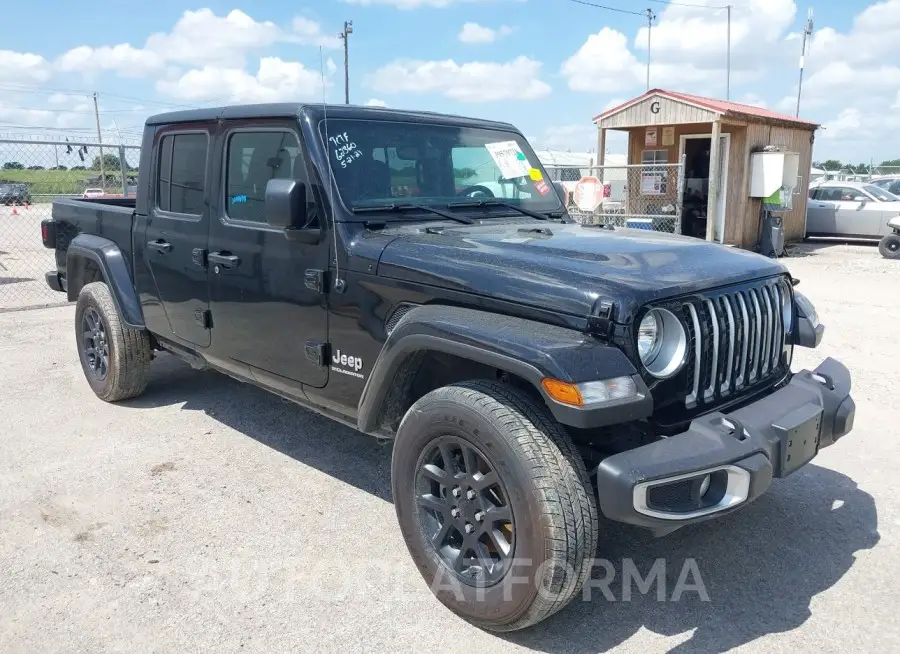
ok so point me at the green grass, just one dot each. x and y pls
(59, 182)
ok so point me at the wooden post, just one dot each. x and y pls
(713, 200)
(601, 151)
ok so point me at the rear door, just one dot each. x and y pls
(173, 243)
(267, 311)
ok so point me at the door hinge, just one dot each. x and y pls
(198, 256)
(204, 317)
(317, 352)
(315, 280)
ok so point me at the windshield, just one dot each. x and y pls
(378, 163)
(880, 193)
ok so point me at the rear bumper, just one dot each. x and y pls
(55, 281)
(725, 461)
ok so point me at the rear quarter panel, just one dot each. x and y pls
(110, 219)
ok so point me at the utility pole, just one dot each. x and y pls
(348, 30)
(100, 141)
(728, 60)
(807, 32)
(650, 18)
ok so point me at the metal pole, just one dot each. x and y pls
(123, 166)
(807, 31)
(100, 141)
(650, 17)
(348, 30)
(728, 64)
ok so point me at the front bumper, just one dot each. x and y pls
(724, 461)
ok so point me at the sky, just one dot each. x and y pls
(547, 66)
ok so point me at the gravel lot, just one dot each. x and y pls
(210, 516)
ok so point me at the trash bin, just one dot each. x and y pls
(771, 242)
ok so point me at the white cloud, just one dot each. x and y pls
(475, 81)
(276, 80)
(475, 33)
(603, 64)
(689, 48)
(577, 137)
(309, 32)
(23, 67)
(198, 38)
(124, 58)
(375, 102)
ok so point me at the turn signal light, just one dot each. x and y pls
(562, 391)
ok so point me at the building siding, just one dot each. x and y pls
(796, 140)
(670, 113)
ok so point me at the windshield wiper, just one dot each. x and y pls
(479, 204)
(385, 208)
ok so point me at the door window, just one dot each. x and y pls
(181, 184)
(253, 158)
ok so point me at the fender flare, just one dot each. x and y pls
(528, 349)
(109, 259)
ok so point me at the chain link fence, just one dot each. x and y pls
(642, 196)
(34, 173)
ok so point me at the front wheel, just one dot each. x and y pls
(889, 247)
(494, 504)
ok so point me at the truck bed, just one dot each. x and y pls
(110, 218)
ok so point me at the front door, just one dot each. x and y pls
(171, 245)
(264, 314)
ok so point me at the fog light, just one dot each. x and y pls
(704, 485)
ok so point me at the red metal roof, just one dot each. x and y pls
(719, 106)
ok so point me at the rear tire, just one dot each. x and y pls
(115, 358)
(544, 488)
(889, 246)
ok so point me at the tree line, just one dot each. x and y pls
(858, 169)
(110, 164)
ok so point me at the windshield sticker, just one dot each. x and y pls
(542, 187)
(509, 159)
(345, 150)
(535, 175)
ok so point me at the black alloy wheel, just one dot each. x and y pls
(95, 343)
(464, 511)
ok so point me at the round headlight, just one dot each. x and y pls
(648, 337)
(662, 343)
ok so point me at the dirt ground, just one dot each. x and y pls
(209, 516)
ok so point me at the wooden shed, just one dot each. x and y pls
(714, 139)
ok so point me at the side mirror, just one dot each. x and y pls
(859, 198)
(286, 209)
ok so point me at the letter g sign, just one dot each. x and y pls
(654, 107)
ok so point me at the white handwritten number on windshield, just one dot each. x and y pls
(345, 150)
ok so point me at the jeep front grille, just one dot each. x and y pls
(735, 340)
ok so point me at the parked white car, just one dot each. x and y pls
(851, 209)
(93, 193)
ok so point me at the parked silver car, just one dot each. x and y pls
(891, 184)
(852, 209)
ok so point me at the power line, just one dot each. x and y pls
(616, 9)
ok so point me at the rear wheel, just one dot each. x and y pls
(889, 247)
(494, 503)
(115, 358)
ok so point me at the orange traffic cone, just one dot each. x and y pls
(27, 205)
(14, 213)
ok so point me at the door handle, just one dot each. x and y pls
(224, 259)
(160, 245)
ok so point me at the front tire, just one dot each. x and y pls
(115, 358)
(889, 246)
(494, 504)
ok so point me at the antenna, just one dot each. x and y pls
(339, 284)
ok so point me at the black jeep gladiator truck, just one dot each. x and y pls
(416, 277)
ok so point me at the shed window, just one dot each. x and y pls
(654, 157)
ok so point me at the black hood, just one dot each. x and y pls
(567, 268)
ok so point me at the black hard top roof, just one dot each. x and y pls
(317, 111)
